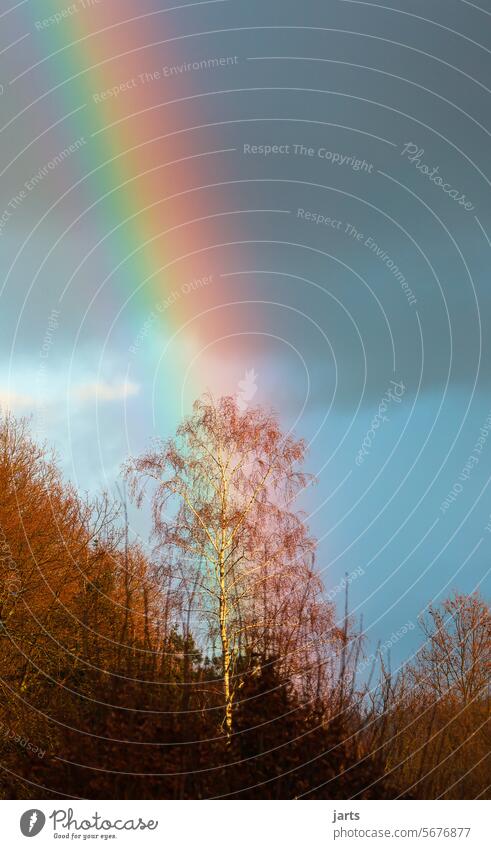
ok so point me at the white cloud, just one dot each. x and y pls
(83, 393)
(16, 400)
(102, 391)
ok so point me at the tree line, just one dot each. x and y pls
(211, 661)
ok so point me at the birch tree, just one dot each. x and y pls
(221, 502)
(456, 655)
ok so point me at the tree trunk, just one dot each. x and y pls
(226, 654)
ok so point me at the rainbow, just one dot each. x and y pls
(139, 174)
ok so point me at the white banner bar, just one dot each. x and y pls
(246, 824)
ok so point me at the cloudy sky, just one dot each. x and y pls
(299, 192)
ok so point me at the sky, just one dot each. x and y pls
(284, 202)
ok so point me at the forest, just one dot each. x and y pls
(211, 661)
